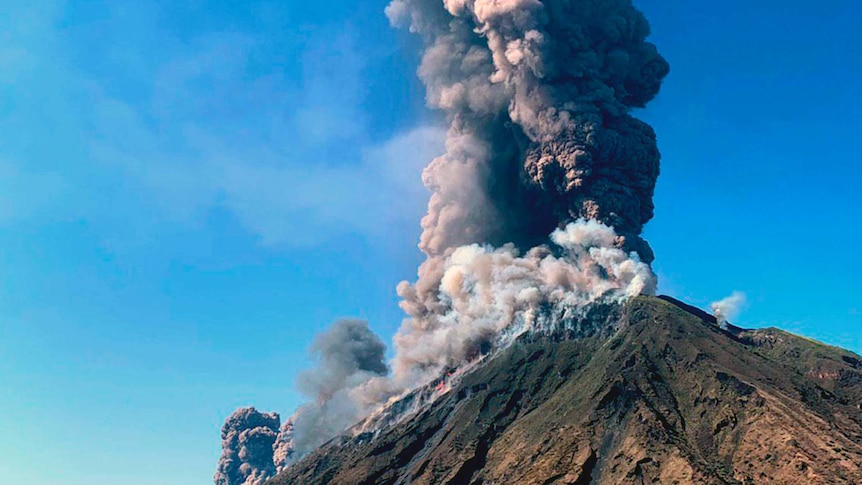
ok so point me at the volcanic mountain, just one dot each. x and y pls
(666, 396)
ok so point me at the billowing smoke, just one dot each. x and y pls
(348, 355)
(255, 446)
(487, 296)
(538, 95)
(728, 308)
(537, 204)
(284, 449)
(247, 440)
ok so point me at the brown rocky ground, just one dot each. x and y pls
(669, 399)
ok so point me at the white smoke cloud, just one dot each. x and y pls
(488, 295)
(728, 308)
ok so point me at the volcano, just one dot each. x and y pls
(667, 397)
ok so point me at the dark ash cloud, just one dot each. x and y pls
(247, 441)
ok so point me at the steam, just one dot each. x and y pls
(537, 204)
(247, 440)
(728, 308)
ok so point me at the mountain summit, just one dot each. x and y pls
(668, 398)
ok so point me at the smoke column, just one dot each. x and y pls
(247, 440)
(538, 96)
(537, 204)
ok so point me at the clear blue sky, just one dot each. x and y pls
(189, 193)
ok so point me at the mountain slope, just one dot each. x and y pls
(670, 398)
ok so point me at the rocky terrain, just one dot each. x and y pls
(670, 398)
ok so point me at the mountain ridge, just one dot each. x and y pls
(668, 398)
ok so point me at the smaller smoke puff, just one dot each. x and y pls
(349, 355)
(728, 308)
(247, 443)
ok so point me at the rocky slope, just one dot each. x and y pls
(670, 398)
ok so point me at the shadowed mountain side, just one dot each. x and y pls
(671, 398)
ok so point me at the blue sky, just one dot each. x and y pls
(189, 193)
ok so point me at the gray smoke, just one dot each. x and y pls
(538, 95)
(348, 355)
(254, 445)
(247, 442)
(537, 204)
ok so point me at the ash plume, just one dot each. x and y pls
(541, 141)
(728, 308)
(538, 95)
(536, 206)
(247, 440)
